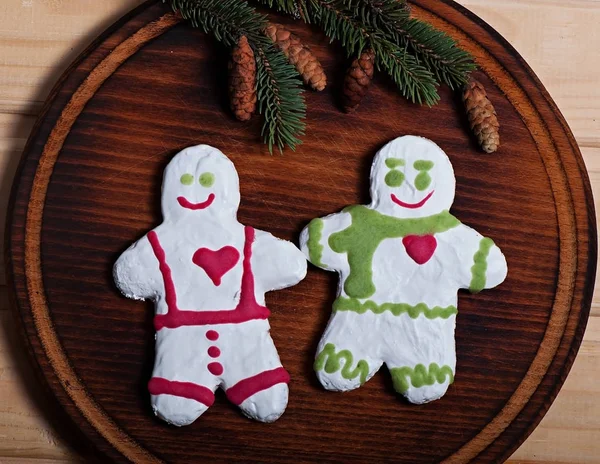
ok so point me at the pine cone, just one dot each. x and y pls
(482, 116)
(242, 80)
(357, 81)
(299, 55)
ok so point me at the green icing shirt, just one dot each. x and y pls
(368, 229)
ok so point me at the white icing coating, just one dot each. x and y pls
(410, 149)
(246, 348)
(402, 341)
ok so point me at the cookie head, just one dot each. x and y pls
(412, 177)
(200, 181)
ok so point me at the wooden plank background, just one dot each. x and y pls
(38, 40)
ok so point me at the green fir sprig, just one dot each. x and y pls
(434, 48)
(414, 54)
(279, 91)
(414, 81)
(417, 56)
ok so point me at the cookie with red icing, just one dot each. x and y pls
(401, 261)
(207, 275)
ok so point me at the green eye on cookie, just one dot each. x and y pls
(423, 179)
(207, 179)
(394, 178)
(187, 179)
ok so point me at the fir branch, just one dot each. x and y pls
(356, 22)
(227, 20)
(431, 47)
(370, 11)
(413, 79)
(438, 51)
(285, 6)
(295, 8)
(278, 99)
(279, 91)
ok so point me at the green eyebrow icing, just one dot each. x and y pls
(394, 162)
(423, 165)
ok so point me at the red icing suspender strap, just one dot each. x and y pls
(165, 270)
(247, 309)
(248, 387)
(247, 298)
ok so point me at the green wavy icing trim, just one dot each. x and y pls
(352, 304)
(315, 249)
(329, 361)
(419, 376)
(479, 267)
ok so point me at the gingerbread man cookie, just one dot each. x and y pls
(207, 275)
(401, 261)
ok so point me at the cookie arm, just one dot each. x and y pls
(136, 273)
(487, 266)
(314, 241)
(276, 263)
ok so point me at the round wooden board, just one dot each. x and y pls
(89, 185)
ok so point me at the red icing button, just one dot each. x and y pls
(215, 368)
(212, 335)
(214, 352)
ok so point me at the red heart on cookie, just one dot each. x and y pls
(216, 263)
(420, 247)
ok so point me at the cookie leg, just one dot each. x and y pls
(341, 369)
(421, 384)
(179, 403)
(255, 380)
(264, 396)
(343, 361)
(420, 355)
(181, 386)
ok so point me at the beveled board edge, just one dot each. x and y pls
(542, 116)
(15, 231)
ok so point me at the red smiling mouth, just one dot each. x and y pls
(411, 205)
(194, 206)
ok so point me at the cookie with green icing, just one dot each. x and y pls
(401, 261)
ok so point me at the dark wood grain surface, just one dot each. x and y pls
(89, 186)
